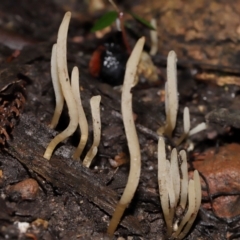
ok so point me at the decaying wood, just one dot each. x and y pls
(28, 147)
(31, 135)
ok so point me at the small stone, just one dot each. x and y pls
(24, 190)
(22, 226)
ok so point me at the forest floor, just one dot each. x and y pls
(61, 199)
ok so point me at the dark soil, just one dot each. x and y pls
(67, 200)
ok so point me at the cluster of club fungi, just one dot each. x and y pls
(175, 189)
(70, 92)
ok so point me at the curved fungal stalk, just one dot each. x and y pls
(131, 135)
(198, 197)
(175, 175)
(176, 184)
(200, 127)
(154, 38)
(186, 126)
(191, 207)
(95, 109)
(171, 105)
(171, 193)
(174, 189)
(65, 86)
(82, 120)
(184, 179)
(171, 198)
(186, 121)
(57, 88)
(162, 183)
(171, 101)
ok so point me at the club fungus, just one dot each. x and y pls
(173, 177)
(171, 105)
(57, 88)
(71, 93)
(171, 101)
(82, 120)
(95, 109)
(131, 135)
(65, 86)
(154, 38)
(186, 126)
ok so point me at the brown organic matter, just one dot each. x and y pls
(221, 183)
(12, 101)
(77, 203)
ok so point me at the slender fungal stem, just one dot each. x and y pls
(175, 175)
(186, 126)
(131, 135)
(95, 109)
(154, 38)
(57, 89)
(200, 127)
(163, 175)
(171, 94)
(184, 179)
(191, 207)
(82, 120)
(198, 198)
(65, 86)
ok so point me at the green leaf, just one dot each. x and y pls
(142, 21)
(106, 20)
